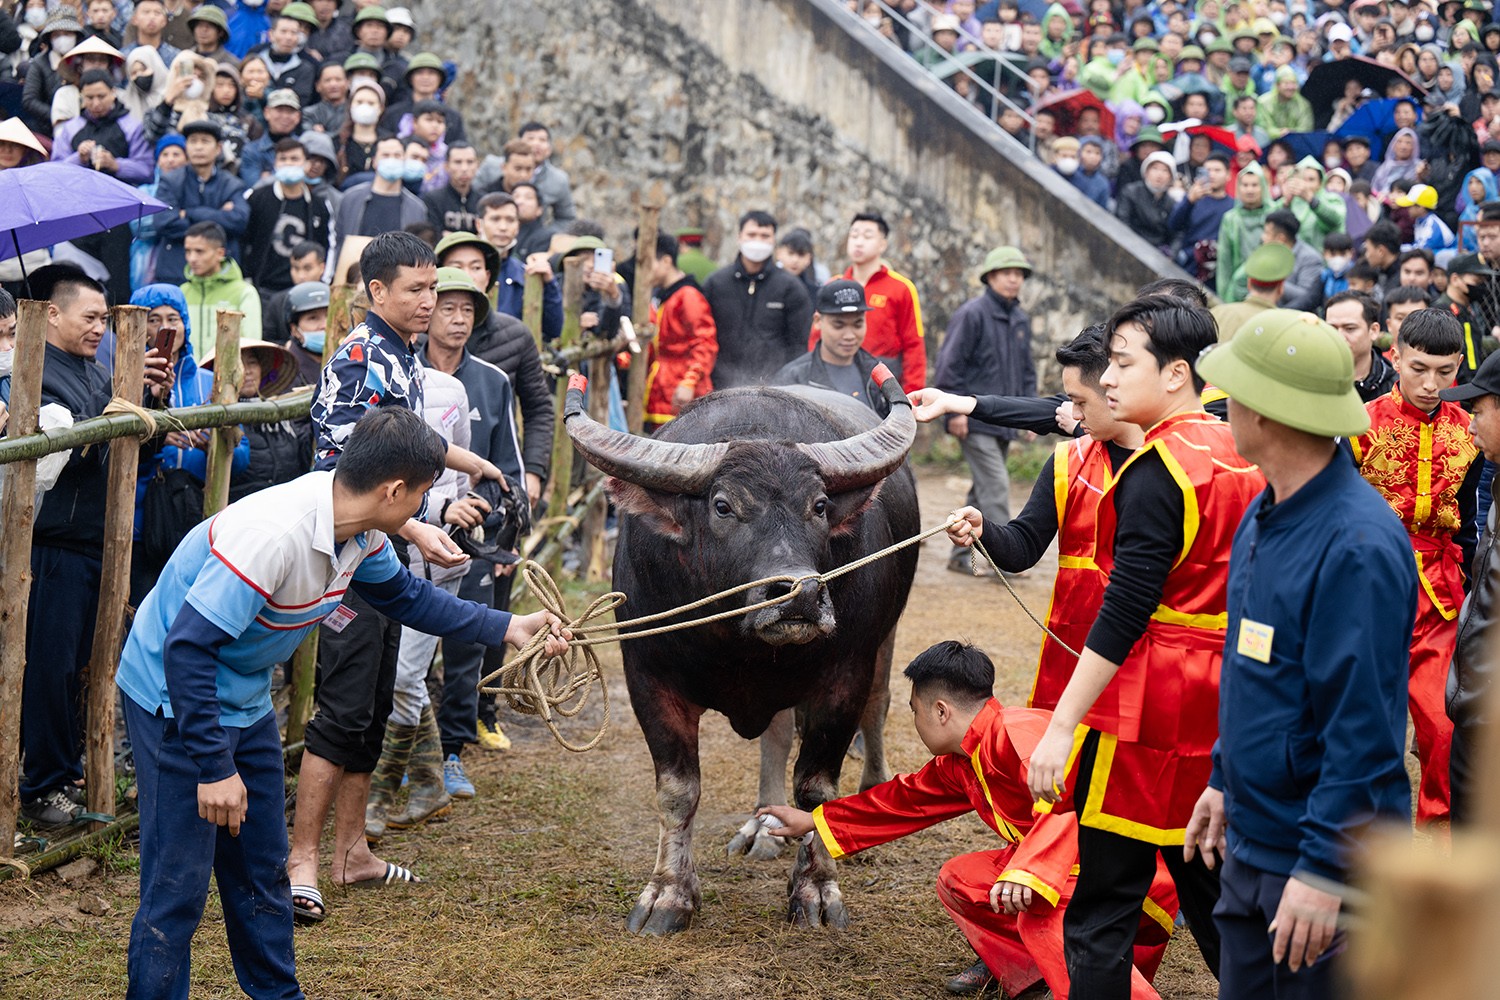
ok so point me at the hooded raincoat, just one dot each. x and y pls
(1239, 233)
(1394, 168)
(1321, 213)
(1468, 209)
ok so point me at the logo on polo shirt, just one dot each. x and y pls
(878, 301)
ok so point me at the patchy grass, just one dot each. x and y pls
(529, 883)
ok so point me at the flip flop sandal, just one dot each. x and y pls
(393, 874)
(304, 899)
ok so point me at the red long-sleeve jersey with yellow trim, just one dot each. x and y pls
(893, 326)
(988, 777)
(684, 350)
(1081, 472)
(1418, 461)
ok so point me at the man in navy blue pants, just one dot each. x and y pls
(237, 597)
(1312, 714)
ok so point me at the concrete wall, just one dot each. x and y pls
(787, 105)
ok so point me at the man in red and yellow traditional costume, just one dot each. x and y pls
(1419, 455)
(1008, 902)
(1140, 714)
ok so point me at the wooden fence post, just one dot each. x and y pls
(114, 580)
(592, 534)
(16, 515)
(562, 447)
(531, 307)
(228, 374)
(645, 254)
(340, 319)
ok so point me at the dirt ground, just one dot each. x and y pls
(529, 884)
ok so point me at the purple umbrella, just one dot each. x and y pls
(48, 203)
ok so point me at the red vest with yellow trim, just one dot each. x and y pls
(1081, 472)
(1418, 461)
(1159, 716)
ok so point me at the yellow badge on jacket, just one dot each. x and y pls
(1255, 640)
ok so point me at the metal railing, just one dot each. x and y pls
(1002, 63)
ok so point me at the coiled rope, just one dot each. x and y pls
(557, 687)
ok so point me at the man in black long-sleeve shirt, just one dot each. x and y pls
(1064, 504)
(1146, 682)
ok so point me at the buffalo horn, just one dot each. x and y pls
(865, 459)
(644, 461)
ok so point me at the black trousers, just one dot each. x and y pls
(1114, 875)
(1461, 772)
(1244, 915)
(494, 657)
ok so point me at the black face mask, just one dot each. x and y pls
(144, 81)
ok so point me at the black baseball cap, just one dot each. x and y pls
(1470, 263)
(1490, 146)
(1486, 382)
(841, 296)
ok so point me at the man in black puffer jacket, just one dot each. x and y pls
(67, 550)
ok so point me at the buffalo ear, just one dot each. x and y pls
(657, 508)
(845, 509)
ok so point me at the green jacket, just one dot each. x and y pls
(1053, 50)
(1239, 234)
(1133, 86)
(224, 289)
(1098, 75)
(1279, 117)
(1322, 215)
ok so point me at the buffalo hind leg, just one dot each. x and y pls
(667, 904)
(752, 840)
(872, 722)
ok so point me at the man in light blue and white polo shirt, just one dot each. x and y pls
(238, 596)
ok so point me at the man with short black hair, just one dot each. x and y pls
(1383, 253)
(382, 204)
(534, 236)
(238, 596)
(1010, 903)
(215, 282)
(893, 328)
(1420, 457)
(1400, 303)
(1150, 663)
(761, 312)
(283, 57)
(1356, 318)
(67, 548)
(283, 117)
(453, 208)
(358, 647)
(681, 357)
(551, 181)
(283, 215)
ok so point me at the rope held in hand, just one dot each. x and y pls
(555, 687)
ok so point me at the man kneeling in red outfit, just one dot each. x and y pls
(1009, 902)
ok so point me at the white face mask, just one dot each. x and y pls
(36, 16)
(1155, 113)
(756, 251)
(1337, 264)
(1424, 32)
(194, 91)
(6, 358)
(364, 114)
(62, 44)
(1066, 165)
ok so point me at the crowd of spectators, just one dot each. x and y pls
(1198, 124)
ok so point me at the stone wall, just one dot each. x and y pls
(786, 105)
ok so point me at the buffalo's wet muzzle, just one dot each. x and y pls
(805, 615)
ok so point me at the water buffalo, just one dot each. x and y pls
(747, 484)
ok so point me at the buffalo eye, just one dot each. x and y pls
(722, 508)
(820, 506)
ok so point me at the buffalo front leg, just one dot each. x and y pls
(752, 840)
(667, 903)
(813, 897)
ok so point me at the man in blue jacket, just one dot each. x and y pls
(1312, 713)
(238, 596)
(199, 192)
(1196, 218)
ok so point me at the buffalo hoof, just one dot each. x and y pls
(816, 904)
(753, 842)
(662, 909)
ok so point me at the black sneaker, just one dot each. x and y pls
(52, 809)
(974, 980)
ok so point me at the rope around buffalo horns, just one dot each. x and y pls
(558, 686)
